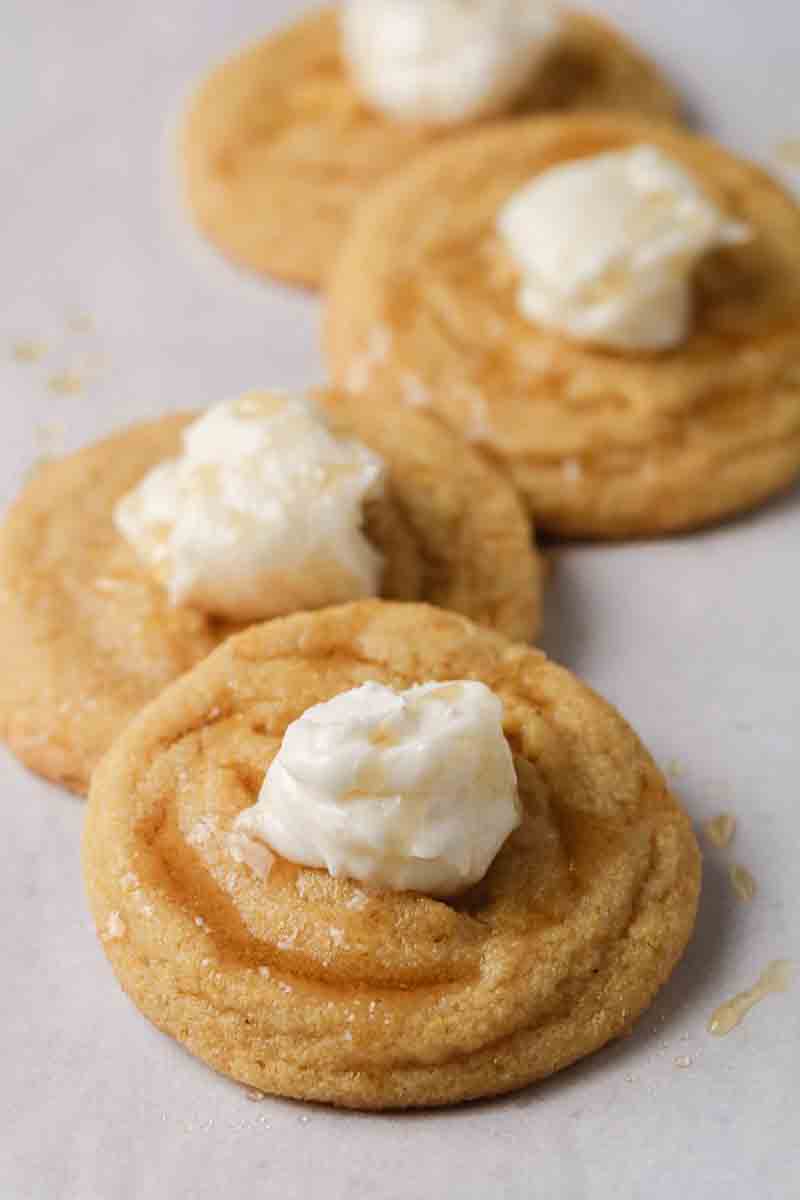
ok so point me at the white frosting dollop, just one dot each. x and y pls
(446, 61)
(607, 245)
(261, 514)
(412, 790)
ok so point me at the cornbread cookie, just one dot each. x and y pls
(278, 148)
(601, 444)
(299, 983)
(87, 635)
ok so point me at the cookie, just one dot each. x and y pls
(601, 444)
(305, 985)
(87, 636)
(278, 150)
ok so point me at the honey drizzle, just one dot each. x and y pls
(776, 978)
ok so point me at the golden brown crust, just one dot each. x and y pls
(304, 985)
(601, 444)
(87, 637)
(278, 150)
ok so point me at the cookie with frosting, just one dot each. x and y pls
(123, 565)
(380, 857)
(606, 307)
(282, 142)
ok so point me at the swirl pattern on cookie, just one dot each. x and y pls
(301, 984)
(601, 443)
(89, 636)
(278, 149)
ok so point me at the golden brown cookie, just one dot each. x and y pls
(87, 635)
(601, 444)
(278, 149)
(298, 983)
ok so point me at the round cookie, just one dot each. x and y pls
(308, 986)
(87, 635)
(601, 444)
(278, 149)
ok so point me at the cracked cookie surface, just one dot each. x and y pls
(88, 636)
(601, 444)
(300, 984)
(278, 150)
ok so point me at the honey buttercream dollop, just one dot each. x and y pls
(443, 62)
(411, 790)
(261, 515)
(607, 245)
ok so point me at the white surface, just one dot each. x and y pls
(696, 640)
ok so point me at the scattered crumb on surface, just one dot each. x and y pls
(720, 830)
(28, 351)
(674, 769)
(683, 1061)
(742, 882)
(254, 1095)
(65, 383)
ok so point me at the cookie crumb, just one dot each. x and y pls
(743, 883)
(683, 1061)
(254, 1095)
(28, 351)
(66, 383)
(720, 830)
